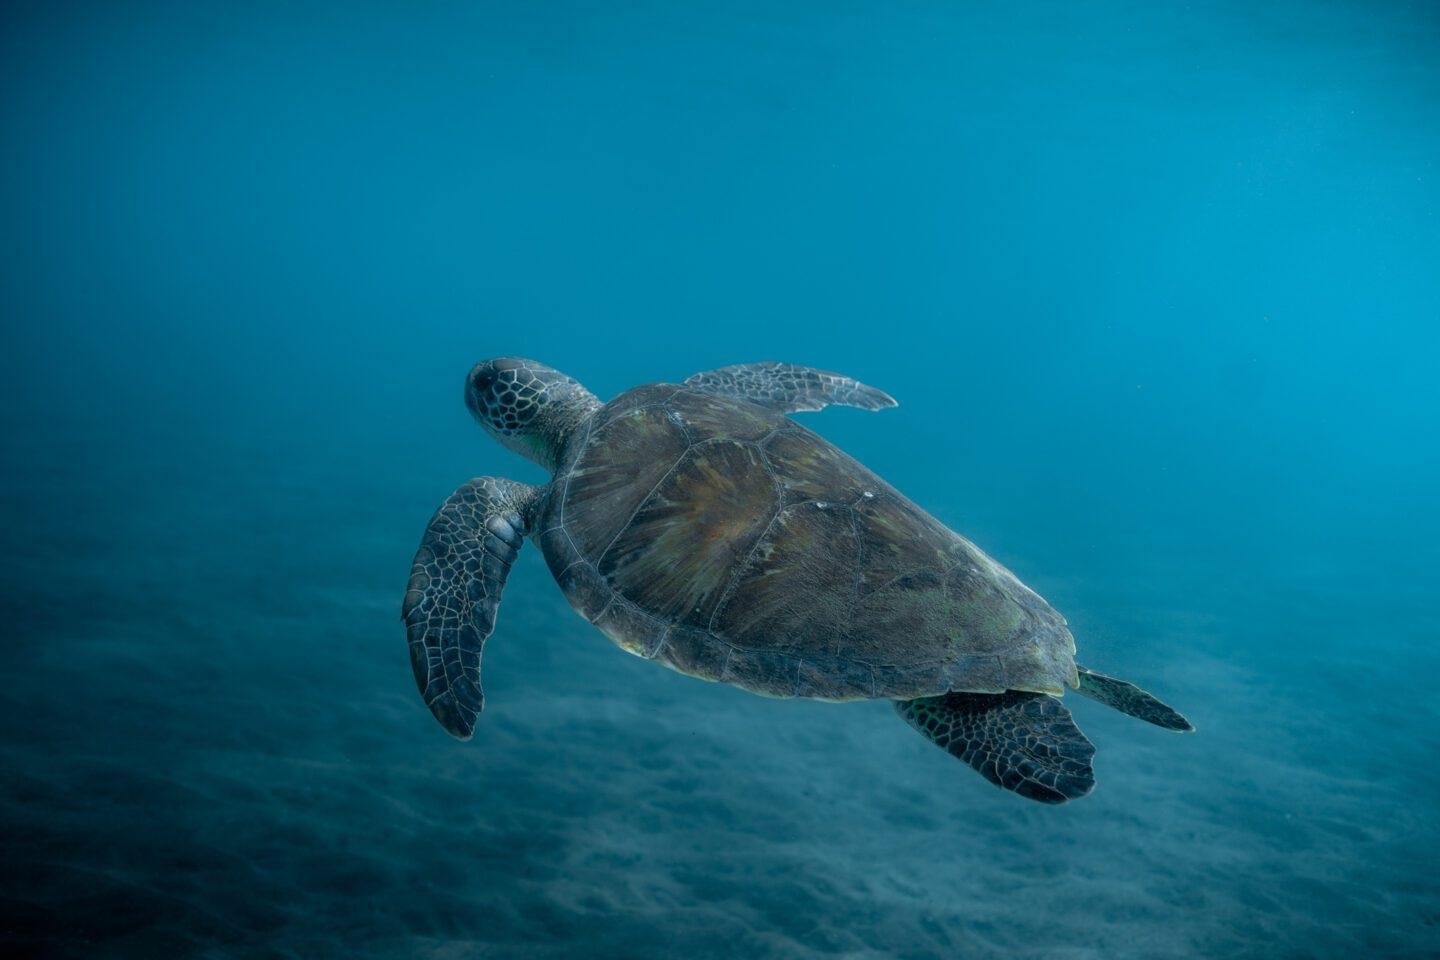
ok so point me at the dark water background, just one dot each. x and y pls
(1155, 284)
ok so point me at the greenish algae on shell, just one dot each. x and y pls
(733, 544)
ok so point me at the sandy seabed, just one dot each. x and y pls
(213, 748)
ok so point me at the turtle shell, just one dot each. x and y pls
(731, 543)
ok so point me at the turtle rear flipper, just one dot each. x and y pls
(1128, 698)
(1025, 742)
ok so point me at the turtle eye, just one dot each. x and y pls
(481, 394)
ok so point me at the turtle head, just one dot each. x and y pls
(527, 406)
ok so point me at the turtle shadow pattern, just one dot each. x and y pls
(696, 524)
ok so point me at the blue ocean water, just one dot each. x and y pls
(1154, 284)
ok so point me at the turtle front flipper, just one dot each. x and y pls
(788, 387)
(1025, 742)
(1128, 698)
(454, 593)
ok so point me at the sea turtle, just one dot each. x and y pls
(697, 525)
